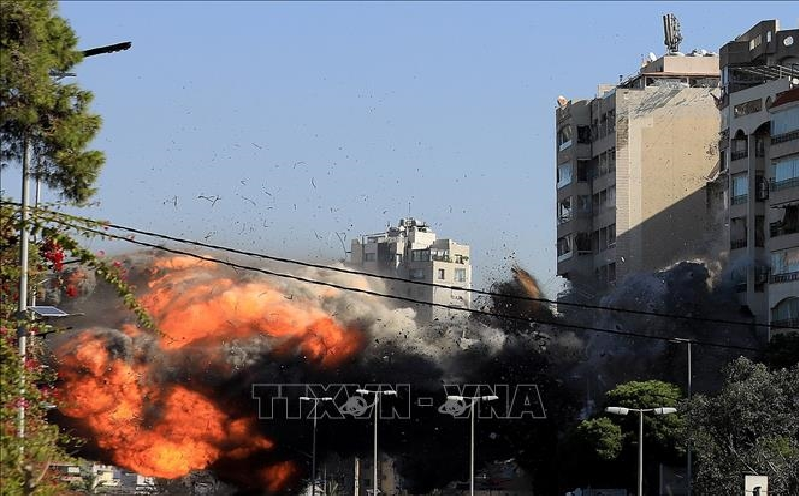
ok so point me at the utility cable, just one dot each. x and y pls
(342, 287)
(481, 292)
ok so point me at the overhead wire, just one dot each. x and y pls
(388, 277)
(235, 265)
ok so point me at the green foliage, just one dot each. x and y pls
(750, 427)
(602, 435)
(34, 43)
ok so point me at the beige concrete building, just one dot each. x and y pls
(633, 164)
(412, 251)
(760, 160)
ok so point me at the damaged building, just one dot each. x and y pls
(633, 169)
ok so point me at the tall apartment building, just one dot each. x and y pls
(411, 251)
(759, 146)
(632, 168)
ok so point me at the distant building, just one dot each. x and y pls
(759, 147)
(633, 167)
(412, 251)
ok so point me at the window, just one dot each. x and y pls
(612, 235)
(369, 257)
(603, 238)
(565, 210)
(583, 169)
(564, 174)
(420, 255)
(441, 273)
(417, 273)
(737, 232)
(785, 122)
(786, 312)
(460, 275)
(785, 261)
(595, 241)
(612, 272)
(583, 204)
(603, 164)
(740, 188)
(564, 247)
(564, 137)
(786, 174)
(583, 134)
(749, 107)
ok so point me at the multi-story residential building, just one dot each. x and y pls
(759, 146)
(411, 251)
(633, 164)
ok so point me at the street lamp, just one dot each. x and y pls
(387, 392)
(313, 449)
(474, 400)
(689, 455)
(624, 411)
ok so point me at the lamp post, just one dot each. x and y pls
(474, 400)
(24, 239)
(689, 454)
(313, 449)
(624, 411)
(378, 393)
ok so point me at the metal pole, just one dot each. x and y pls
(313, 451)
(23, 284)
(357, 476)
(374, 483)
(689, 462)
(640, 452)
(471, 452)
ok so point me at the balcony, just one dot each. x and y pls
(739, 200)
(789, 322)
(780, 229)
(781, 185)
(739, 155)
(785, 277)
(737, 243)
(784, 138)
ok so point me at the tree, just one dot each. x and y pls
(601, 451)
(750, 427)
(35, 44)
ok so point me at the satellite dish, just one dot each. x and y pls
(652, 57)
(562, 101)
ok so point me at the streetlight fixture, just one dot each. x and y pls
(617, 410)
(474, 400)
(313, 449)
(689, 454)
(378, 393)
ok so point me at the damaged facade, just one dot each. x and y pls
(412, 251)
(633, 166)
(759, 147)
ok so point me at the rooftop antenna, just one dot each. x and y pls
(672, 34)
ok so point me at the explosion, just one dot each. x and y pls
(116, 384)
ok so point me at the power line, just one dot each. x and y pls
(481, 292)
(307, 280)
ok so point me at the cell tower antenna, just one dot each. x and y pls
(671, 32)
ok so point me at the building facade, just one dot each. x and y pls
(412, 251)
(633, 166)
(759, 146)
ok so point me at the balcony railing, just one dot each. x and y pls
(739, 155)
(785, 277)
(777, 229)
(737, 200)
(782, 138)
(737, 243)
(789, 322)
(781, 185)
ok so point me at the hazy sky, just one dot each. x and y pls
(311, 119)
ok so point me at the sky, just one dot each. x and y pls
(316, 122)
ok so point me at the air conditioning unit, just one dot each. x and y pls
(762, 190)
